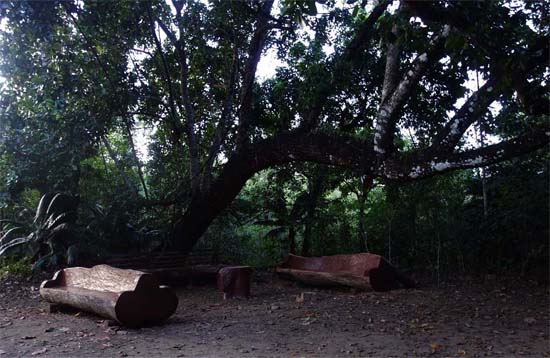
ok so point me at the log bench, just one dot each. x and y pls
(132, 298)
(363, 271)
(198, 268)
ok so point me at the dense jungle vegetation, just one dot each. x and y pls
(413, 130)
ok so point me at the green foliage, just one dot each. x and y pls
(436, 225)
(83, 79)
(52, 232)
(11, 267)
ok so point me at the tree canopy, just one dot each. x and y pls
(375, 91)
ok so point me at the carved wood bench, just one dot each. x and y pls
(364, 271)
(132, 298)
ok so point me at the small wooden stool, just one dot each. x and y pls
(235, 281)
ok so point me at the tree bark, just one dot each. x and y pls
(292, 239)
(327, 279)
(136, 158)
(346, 152)
(315, 191)
(343, 151)
(362, 195)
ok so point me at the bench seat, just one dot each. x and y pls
(132, 298)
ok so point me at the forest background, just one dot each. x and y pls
(85, 82)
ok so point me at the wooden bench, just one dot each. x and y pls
(198, 268)
(132, 298)
(364, 271)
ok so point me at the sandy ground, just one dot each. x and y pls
(496, 319)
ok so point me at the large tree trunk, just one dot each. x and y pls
(343, 151)
(206, 206)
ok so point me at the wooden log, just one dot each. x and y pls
(130, 297)
(364, 271)
(327, 279)
(235, 281)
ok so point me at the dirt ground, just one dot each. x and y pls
(497, 319)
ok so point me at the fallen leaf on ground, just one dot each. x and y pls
(434, 347)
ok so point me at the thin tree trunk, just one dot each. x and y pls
(306, 243)
(389, 237)
(120, 167)
(438, 262)
(392, 200)
(367, 184)
(315, 191)
(481, 169)
(136, 159)
(292, 239)
(361, 227)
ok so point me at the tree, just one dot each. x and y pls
(392, 72)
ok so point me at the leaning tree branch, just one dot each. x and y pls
(477, 104)
(424, 163)
(343, 151)
(190, 132)
(174, 122)
(103, 67)
(516, 72)
(223, 125)
(387, 117)
(364, 34)
(169, 34)
(348, 58)
(480, 157)
(192, 137)
(391, 72)
(257, 44)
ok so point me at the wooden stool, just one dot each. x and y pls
(235, 281)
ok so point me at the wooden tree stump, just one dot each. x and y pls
(235, 281)
(363, 271)
(132, 298)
